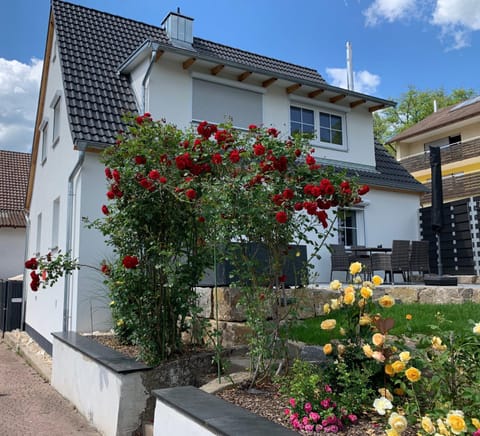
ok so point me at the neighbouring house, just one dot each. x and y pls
(456, 130)
(14, 167)
(98, 66)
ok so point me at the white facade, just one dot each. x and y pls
(12, 252)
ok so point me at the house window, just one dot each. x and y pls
(56, 122)
(443, 142)
(331, 129)
(351, 229)
(55, 222)
(328, 128)
(218, 102)
(44, 129)
(39, 234)
(301, 120)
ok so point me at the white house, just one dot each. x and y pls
(98, 66)
(14, 168)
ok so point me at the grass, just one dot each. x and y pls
(425, 319)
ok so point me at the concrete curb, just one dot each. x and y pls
(37, 358)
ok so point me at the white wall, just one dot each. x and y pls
(12, 252)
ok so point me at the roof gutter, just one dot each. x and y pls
(69, 241)
(155, 47)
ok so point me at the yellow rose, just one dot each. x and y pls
(349, 298)
(357, 280)
(112, 303)
(365, 320)
(404, 356)
(378, 339)
(389, 369)
(456, 421)
(355, 268)
(427, 425)
(361, 303)
(476, 423)
(366, 292)
(367, 349)
(398, 366)
(476, 328)
(391, 432)
(334, 304)
(408, 317)
(328, 324)
(340, 349)
(377, 280)
(397, 422)
(413, 374)
(335, 285)
(442, 429)
(327, 349)
(343, 332)
(378, 356)
(349, 289)
(437, 344)
(386, 301)
(326, 308)
(120, 322)
(385, 393)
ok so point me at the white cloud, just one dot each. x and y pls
(19, 85)
(389, 10)
(363, 81)
(457, 19)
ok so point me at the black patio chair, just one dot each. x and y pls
(419, 257)
(340, 260)
(382, 262)
(400, 259)
(364, 258)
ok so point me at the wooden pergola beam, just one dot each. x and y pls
(243, 76)
(337, 98)
(376, 108)
(293, 88)
(188, 63)
(268, 82)
(356, 103)
(217, 69)
(313, 94)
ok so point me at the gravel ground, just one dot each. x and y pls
(30, 406)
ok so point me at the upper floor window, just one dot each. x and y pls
(44, 130)
(55, 105)
(328, 127)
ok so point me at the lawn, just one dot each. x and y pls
(425, 319)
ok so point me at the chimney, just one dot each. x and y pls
(179, 29)
(350, 85)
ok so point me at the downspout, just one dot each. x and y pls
(155, 46)
(68, 243)
(25, 274)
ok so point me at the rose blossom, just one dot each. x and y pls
(130, 261)
(281, 217)
(105, 210)
(191, 194)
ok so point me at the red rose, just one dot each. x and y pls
(130, 262)
(258, 149)
(183, 161)
(252, 127)
(105, 210)
(298, 206)
(108, 173)
(288, 194)
(139, 120)
(217, 158)
(154, 175)
(234, 156)
(206, 130)
(105, 269)
(281, 163)
(110, 195)
(363, 190)
(272, 132)
(281, 217)
(140, 160)
(162, 180)
(310, 160)
(116, 191)
(191, 194)
(116, 175)
(201, 219)
(322, 217)
(298, 152)
(277, 199)
(282, 278)
(31, 263)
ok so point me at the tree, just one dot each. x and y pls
(413, 106)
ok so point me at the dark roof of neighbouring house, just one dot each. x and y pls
(449, 115)
(14, 168)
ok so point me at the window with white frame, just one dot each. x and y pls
(44, 130)
(55, 222)
(327, 126)
(38, 245)
(55, 106)
(351, 227)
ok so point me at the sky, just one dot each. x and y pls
(429, 44)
